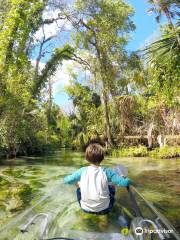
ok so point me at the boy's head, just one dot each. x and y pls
(94, 153)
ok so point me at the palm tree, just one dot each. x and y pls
(167, 7)
(167, 46)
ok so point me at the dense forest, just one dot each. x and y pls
(120, 98)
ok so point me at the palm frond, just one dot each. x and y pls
(158, 18)
(164, 48)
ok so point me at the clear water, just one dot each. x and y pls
(38, 181)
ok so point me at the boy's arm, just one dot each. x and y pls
(116, 179)
(75, 177)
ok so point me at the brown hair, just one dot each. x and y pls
(94, 153)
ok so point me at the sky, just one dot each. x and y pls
(146, 30)
(146, 25)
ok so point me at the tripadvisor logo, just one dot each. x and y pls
(139, 231)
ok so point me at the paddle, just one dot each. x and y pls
(123, 172)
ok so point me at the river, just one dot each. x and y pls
(25, 181)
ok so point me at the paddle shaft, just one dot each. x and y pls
(134, 203)
(123, 171)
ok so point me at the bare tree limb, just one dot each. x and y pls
(52, 20)
(81, 61)
(40, 55)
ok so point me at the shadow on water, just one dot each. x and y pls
(24, 181)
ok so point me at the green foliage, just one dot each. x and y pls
(123, 96)
(128, 114)
(64, 128)
(27, 123)
(106, 19)
(140, 151)
(168, 8)
(56, 59)
(167, 46)
(103, 32)
(135, 95)
(164, 58)
(87, 123)
(166, 152)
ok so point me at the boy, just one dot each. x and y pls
(94, 194)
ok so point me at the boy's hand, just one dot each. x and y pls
(77, 185)
(129, 182)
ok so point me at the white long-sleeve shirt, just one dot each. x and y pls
(93, 182)
(94, 189)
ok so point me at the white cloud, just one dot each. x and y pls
(62, 77)
(68, 108)
(60, 80)
(41, 65)
(153, 37)
(54, 28)
(48, 13)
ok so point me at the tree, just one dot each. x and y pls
(170, 8)
(102, 31)
(86, 122)
(21, 83)
(165, 48)
(167, 7)
(163, 70)
(49, 70)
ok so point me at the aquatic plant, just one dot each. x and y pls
(140, 151)
(166, 152)
(14, 195)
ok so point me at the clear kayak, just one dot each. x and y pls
(139, 220)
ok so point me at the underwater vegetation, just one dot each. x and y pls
(21, 186)
(165, 195)
(16, 192)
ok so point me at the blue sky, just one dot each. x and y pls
(146, 27)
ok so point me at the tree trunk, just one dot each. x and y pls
(104, 78)
(106, 113)
(149, 135)
(161, 140)
(169, 18)
(49, 106)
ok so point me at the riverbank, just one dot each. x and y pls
(165, 152)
